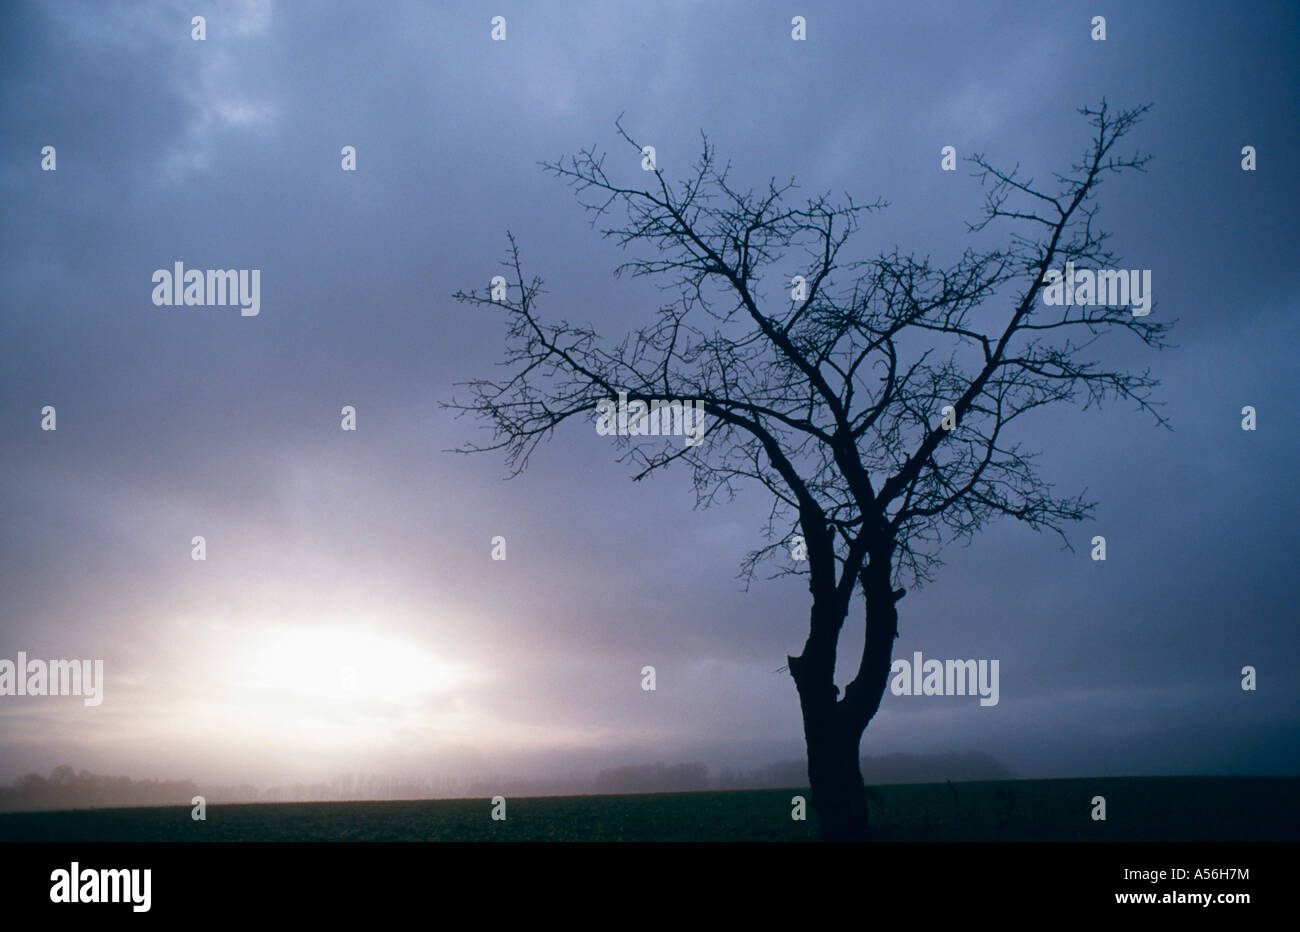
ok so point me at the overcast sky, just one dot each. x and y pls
(349, 615)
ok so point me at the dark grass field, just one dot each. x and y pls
(1137, 809)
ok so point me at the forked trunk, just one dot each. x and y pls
(833, 727)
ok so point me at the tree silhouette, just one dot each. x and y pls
(874, 404)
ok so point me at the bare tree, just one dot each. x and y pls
(836, 399)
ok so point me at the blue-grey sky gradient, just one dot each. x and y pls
(178, 421)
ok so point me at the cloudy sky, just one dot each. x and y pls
(349, 615)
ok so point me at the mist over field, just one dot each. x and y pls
(64, 788)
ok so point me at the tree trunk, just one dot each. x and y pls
(834, 773)
(838, 793)
(833, 727)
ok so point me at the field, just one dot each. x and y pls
(1137, 809)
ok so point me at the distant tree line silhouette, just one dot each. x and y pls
(653, 778)
(957, 766)
(66, 788)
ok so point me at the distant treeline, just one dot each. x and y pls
(65, 788)
(69, 789)
(659, 777)
(887, 768)
(653, 778)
